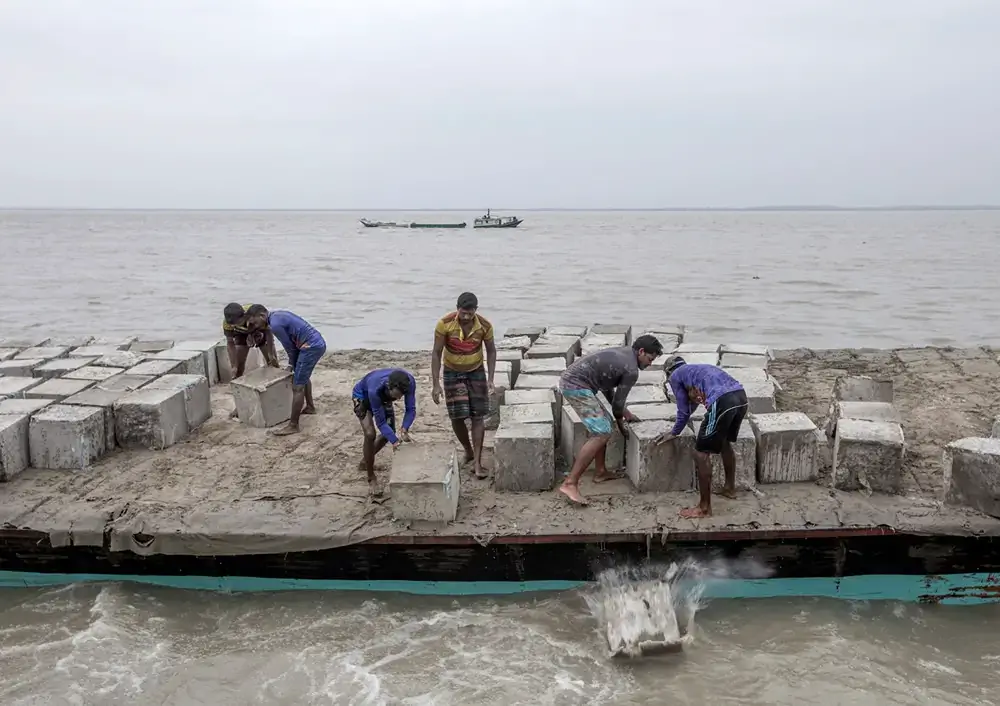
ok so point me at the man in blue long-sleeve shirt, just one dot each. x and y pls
(373, 396)
(726, 402)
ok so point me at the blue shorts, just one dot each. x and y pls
(596, 421)
(302, 362)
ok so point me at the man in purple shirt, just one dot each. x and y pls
(304, 346)
(726, 402)
(373, 396)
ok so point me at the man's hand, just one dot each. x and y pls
(273, 364)
(663, 438)
(436, 393)
(397, 444)
(490, 387)
(405, 435)
(622, 427)
(630, 418)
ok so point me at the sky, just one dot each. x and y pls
(498, 103)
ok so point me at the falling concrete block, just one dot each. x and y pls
(193, 362)
(150, 347)
(121, 359)
(94, 352)
(19, 367)
(197, 396)
(571, 331)
(155, 368)
(15, 405)
(573, 435)
(8, 353)
(651, 376)
(424, 482)
(747, 375)
(743, 360)
(646, 394)
(65, 437)
(641, 619)
(524, 457)
(787, 447)
(263, 397)
(745, 450)
(16, 386)
(14, 454)
(760, 397)
(516, 343)
(531, 332)
(566, 350)
(207, 349)
(150, 418)
(861, 388)
(662, 467)
(93, 373)
(512, 414)
(972, 474)
(104, 400)
(125, 382)
(868, 455)
(43, 353)
(60, 366)
(57, 389)
(543, 366)
(537, 382)
(553, 398)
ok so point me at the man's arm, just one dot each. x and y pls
(411, 406)
(378, 414)
(683, 407)
(436, 362)
(624, 387)
(270, 354)
(491, 358)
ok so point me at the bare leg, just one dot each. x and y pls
(729, 464)
(237, 362)
(309, 407)
(601, 472)
(704, 508)
(478, 434)
(462, 434)
(298, 402)
(571, 486)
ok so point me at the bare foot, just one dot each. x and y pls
(728, 493)
(309, 409)
(234, 415)
(606, 476)
(692, 513)
(573, 493)
(481, 472)
(286, 430)
(374, 489)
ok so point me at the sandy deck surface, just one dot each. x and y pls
(229, 489)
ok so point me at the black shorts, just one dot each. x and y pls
(722, 423)
(362, 409)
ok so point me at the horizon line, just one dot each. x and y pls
(655, 209)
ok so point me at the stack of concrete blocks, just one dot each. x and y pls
(600, 337)
(972, 474)
(263, 397)
(670, 337)
(749, 363)
(699, 352)
(868, 442)
(787, 447)
(524, 444)
(558, 342)
(424, 483)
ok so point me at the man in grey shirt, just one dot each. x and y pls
(612, 372)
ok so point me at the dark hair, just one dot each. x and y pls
(398, 380)
(232, 313)
(256, 310)
(674, 363)
(648, 343)
(467, 300)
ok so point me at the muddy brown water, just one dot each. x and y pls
(787, 279)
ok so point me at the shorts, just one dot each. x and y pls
(362, 408)
(596, 421)
(722, 423)
(302, 362)
(467, 394)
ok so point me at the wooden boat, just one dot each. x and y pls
(392, 224)
(438, 225)
(489, 221)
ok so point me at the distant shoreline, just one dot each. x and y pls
(668, 209)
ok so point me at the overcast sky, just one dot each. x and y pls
(502, 103)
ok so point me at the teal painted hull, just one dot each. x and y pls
(947, 589)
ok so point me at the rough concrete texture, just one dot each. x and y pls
(60, 366)
(515, 343)
(565, 351)
(861, 388)
(660, 329)
(700, 358)
(553, 398)
(19, 367)
(122, 343)
(662, 467)
(668, 340)
(193, 361)
(524, 455)
(531, 332)
(787, 447)
(207, 349)
(646, 394)
(125, 382)
(760, 397)
(14, 454)
(513, 357)
(745, 450)
(660, 362)
(263, 397)
(623, 330)
(16, 386)
(150, 418)
(651, 376)
(543, 366)
(424, 484)
(197, 396)
(8, 353)
(867, 411)
(105, 400)
(573, 435)
(868, 455)
(501, 383)
(972, 474)
(996, 428)
(743, 360)
(93, 373)
(150, 346)
(745, 349)
(746, 375)
(540, 413)
(92, 351)
(223, 365)
(158, 367)
(121, 359)
(663, 410)
(57, 389)
(572, 330)
(15, 405)
(537, 382)
(66, 437)
(23, 342)
(43, 353)
(691, 346)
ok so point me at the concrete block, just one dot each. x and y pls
(690, 347)
(57, 389)
(592, 343)
(525, 457)
(701, 358)
(531, 332)
(15, 405)
(121, 359)
(507, 366)
(745, 450)
(972, 474)
(747, 375)
(92, 351)
(93, 373)
(223, 364)
(669, 341)
(60, 366)
(43, 353)
(659, 329)
(571, 331)
(787, 447)
(646, 394)
(22, 342)
(660, 362)
(537, 382)
(553, 398)
(193, 361)
(151, 419)
(543, 366)
(659, 467)
(745, 349)
(623, 330)
(263, 397)
(513, 357)
(19, 367)
(549, 339)
(540, 413)
(744, 360)
(104, 400)
(572, 437)
(650, 376)
(760, 397)
(515, 343)
(122, 343)
(501, 383)
(8, 353)
(70, 341)
(156, 368)
(14, 454)
(996, 428)
(125, 382)
(566, 349)
(66, 437)
(424, 482)
(150, 347)
(866, 411)
(868, 455)
(197, 396)
(207, 349)
(860, 388)
(15, 387)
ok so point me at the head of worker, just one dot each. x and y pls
(467, 306)
(672, 364)
(647, 349)
(256, 318)
(397, 385)
(234, 314)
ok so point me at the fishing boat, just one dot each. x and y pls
(392, 224)
(438, 225)
(489, 221)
